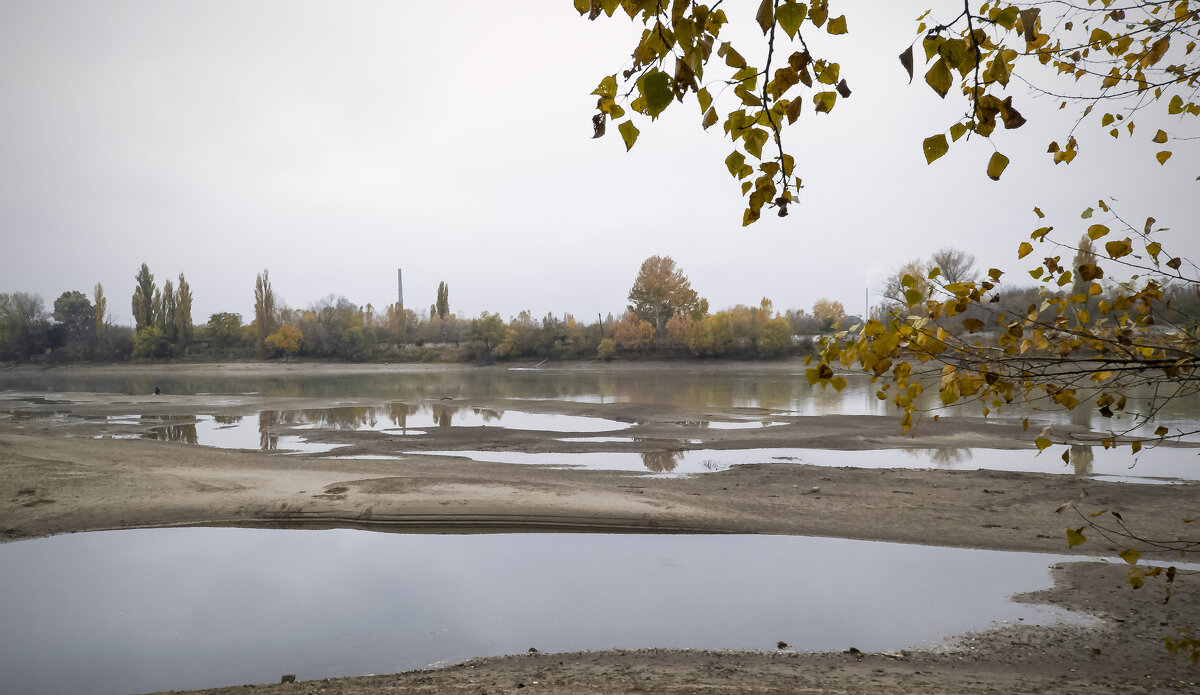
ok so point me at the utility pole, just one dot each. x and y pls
(399, 288)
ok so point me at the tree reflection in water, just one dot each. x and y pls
(268, 438)
(661, 461)
(442, 414)
(185, 433)
(1081, 454)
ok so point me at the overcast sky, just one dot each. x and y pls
(334, 142)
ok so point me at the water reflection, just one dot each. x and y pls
(268, 435)
(661, 461)
(175, 433)
(1159, 464)
(1081, 456)
(199, 608)
(694, 387)
(943, 458)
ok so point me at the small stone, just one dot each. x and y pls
(853, 650)
(782, 645)
(288, 678)
(533, 650)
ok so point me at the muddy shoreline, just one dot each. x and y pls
(55, 478)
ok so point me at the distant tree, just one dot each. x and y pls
(264, 310)
(713, 335)
(679, 331)
(224, 329)
(183, 313)
(955, 265)
(828, 312)
(100, 303)
(151, 343)
(520, 337)
(285, 341)
(633, 333)
(401, 323)
(24, 326)
(442, 307)
(76, 319)
(893, 288)
(661, 290)
(776, 338)
(606, 349)
(143, 299)
(485, 332)
(166, 312)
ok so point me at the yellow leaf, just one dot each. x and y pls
(996, 166)
(790, 15)
(1159, 138)
(824, 101)
(934, 147)
(1136, 446)
(607, 88)
(1024, 249)
(1039, 213)
(1096, 231)
(1042, 443)
(1024, 423)
(710, 118)
(939, 78)
(629, 133)
(766, 15)
(1075, 537)
(1117, 249)
(839, 383)
(998, 71)
(1131, 556)
(1163, 156)
(837, 26)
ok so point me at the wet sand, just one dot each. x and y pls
(56, 479)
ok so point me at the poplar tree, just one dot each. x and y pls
(183, 312)
(264, 310)
(144, 305)
(101, 304)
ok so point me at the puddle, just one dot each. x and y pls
(598, 440)
(162, 609)
(1160, 465)
(739, 425)
(225, 432)
(276, 430)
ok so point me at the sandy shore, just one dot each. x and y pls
(56, 479)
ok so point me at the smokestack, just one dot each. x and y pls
(399, 288)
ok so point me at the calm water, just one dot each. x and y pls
(697, 387)
(412, 405)
(1151, 466)
(158, 609)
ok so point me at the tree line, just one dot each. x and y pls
(665, 318)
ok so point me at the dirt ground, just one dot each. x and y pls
(55, 478)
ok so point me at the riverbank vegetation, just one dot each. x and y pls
(665, 318)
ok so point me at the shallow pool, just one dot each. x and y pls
(159, 609)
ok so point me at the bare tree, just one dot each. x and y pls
(956, 265)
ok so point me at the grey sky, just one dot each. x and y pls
(333, 142)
